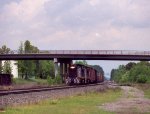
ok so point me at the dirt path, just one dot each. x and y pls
(132, 102)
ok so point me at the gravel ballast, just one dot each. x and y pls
(35, 97)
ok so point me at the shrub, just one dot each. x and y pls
(141, 79)
(50, 80)
(57, 79)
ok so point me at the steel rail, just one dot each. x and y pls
(21, 91)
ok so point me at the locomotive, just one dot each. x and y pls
(82, 74)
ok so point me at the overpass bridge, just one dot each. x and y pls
(79, 55)
(65, 57)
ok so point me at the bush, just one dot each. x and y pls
(132, 73)
(50, 80)
(57, 79)
(141, 79)
(124, 78)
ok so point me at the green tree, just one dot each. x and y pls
(84, 62)
(37, 68)
(27, 47)
(21, 67)
(29, 65)
(4, 50)
(27, 68)
(7, 67)
(130, 65)
(46, 69)
(140, 72)
(21, 48)
(134, 73)
(99, 69)
(116, 74)
(1, 68)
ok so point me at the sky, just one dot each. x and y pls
(77, 25)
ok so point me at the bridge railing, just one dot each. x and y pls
(91, 52)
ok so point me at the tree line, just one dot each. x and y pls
(28, 68)
(132, 73)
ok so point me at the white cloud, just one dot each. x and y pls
(24, 10)
(82, 24)
(76, 24)
(94, 2)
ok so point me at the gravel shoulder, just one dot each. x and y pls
(131, 102)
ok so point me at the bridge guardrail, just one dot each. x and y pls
(91, 52)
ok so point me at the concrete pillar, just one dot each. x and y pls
(61, 71)
(66, 68)
(56, 66)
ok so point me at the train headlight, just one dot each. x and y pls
(72, 67)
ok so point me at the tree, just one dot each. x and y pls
(1, 68)
(4, 50)
(21, 48)
(26, 68)
(99, 69)
(27, 47)
(21, 67)
(37, 68)
(84, 62)
(46, 68)
(6, 68)
(134, 73)
(130, 65)
(29, 65)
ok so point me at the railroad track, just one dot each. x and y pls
(21, 91)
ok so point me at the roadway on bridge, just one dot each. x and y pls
(80, 55)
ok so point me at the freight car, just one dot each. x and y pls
(81, 74)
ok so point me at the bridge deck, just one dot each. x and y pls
(113, 52)
(79, 55)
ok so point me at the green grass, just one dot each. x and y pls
(81, 104)
(19, 81)
(145, 88)
(40, 81)
(147, 93)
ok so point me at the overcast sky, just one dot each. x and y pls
(76, 24)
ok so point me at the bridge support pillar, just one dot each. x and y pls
(64, 68)
(61, 70)
(56, 66)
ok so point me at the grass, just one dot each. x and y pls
(19, 81)
(81, 104)
(145, 88)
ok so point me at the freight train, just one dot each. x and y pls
(77, 74)
(82, 74)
